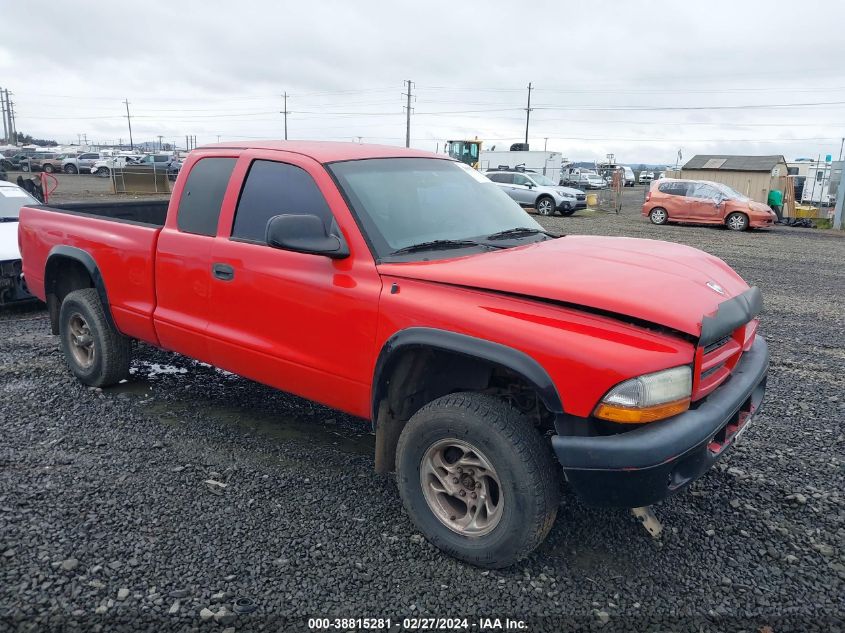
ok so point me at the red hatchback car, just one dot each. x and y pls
(704, 202)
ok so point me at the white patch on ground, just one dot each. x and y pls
(151, 370)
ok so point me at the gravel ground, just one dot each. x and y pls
(108, 522)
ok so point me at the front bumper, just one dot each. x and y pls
(761, 222)
(568, 204)
(12, 285)
(640, 467)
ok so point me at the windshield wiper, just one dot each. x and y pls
(435, 245)
(519, 231)
(8, 218)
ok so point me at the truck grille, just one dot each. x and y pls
(715, 362)
(581, 196)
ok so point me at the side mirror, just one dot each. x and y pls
(529, 184)
(304, 234)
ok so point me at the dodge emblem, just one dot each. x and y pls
(716, 287)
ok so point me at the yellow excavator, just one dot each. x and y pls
(465, 151)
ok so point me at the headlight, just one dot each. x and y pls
(648, 398)
(568, 195)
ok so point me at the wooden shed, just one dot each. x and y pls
(753, 176)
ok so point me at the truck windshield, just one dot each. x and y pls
(401, 202)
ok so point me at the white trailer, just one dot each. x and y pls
(817, 185)
(547, 163)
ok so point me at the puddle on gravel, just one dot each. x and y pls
(280, 428)
(134, 387)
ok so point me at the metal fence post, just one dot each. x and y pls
(840, 202)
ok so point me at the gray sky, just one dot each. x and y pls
(640, 79)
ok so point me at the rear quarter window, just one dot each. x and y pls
(202, 196)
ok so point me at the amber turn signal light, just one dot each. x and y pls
(632, 415)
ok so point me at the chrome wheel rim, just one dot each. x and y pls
(461, 487)
(658, 217)
(81, 341)
(737, 223)
(544, 207)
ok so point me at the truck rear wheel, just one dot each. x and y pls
(97, 354)
(477, 479)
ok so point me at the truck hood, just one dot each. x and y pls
(9, 241)
(659, 282)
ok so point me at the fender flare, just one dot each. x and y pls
(445, 340)
(62, 251)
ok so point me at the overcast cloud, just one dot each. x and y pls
(639, 79)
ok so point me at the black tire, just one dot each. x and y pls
(545, 205)
(111, 351)
(25, 167)
(567, 212)
(103, 172)
(658, 215)
(737, 221)
(523, 463)
(48, 168)
(70, 169)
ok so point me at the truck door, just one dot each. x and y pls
(183, 257)
(300, 322)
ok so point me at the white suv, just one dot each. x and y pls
(535, 190)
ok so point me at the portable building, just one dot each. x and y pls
(753, 176)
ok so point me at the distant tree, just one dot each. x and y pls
(26, 139)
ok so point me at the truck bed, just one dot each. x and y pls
(152, 212)
(119, 238)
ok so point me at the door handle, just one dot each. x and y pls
(223, 272)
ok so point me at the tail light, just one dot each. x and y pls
(648, 196)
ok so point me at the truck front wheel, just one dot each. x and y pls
(97, 354)
(477, 479)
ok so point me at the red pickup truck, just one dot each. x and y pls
(405, 288)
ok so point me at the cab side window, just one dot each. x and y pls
(202, 196)
(272, 189)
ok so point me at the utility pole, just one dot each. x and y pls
(285, 113)
(408, 114)
(528, 113)
(545, 143)
(129, 122)
(3, 110)
(13, 128)
(159, 141)
(841, 145)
